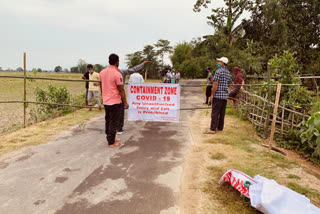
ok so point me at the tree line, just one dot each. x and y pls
(274, 27)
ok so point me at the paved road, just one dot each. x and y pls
(78, 173)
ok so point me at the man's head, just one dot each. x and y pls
(208, 69)
(114, 60)
(223, 61)
(90, 68)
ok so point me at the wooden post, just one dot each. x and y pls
(282, 119)
(275, 111)
(316, 85)
(145, 76)
(24, 90)
(269, 104)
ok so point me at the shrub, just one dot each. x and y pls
(53, 95)
(309, 135)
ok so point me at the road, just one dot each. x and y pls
(78, 173)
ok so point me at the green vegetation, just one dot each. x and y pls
(53, 94)
(309, 136)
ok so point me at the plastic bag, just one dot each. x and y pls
(269, 197)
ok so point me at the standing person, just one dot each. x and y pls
(219, 96)
(178, 77)
(209, 86)
(86, 77)
(238, 80)
(124, 73)
(113, 94)
(94, 87)
(136, 78)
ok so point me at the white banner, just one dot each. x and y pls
(154, 102)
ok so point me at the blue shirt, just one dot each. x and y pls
(222, 76)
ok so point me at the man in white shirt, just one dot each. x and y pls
(136, 78)
(94, 87)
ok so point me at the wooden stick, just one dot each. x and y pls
(282, 121)
(146, 76)
(275, 111)
(292, 122)
(24, 90)
(316, 85)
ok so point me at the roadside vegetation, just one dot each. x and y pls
(239, 147)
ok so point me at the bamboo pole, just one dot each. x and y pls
(24, 90)
(282, 121)
(146, 76)
(275, 111)
(269, 104)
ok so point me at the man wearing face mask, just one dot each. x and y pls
(93, 87)
(219, 96)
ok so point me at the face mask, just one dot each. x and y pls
(91, 71)
(219, 66)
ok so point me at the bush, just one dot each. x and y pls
(309, 135)
(52, 95)
(190, 69)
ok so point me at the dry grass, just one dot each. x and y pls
(43, 131)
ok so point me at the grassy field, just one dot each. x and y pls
(238, 147)
(12, 89)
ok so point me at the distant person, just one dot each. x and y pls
(86, 77)
(219, 96)
(178, 76)
(113, 94)
(209, 86)
(124, 73)
(136, 78)
(239, 82)
(94, 87)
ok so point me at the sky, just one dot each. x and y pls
(60, 32)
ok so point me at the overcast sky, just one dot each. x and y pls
(60, 32)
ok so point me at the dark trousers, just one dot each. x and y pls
(121, 121)
(208, 93)
(218, 112)
(112, 121)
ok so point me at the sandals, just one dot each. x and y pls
(117, 144)
(209, 132)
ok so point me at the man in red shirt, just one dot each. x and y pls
(112, 92)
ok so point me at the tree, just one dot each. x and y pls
(74, 70)
(0, 68)
(182, 52)
(19, 69)
(98, 67)
(134, 59)
(66, 70)
(39, 70)
(34, 71)
(163, 48)
(224, 18)
(82, 65)
(58, 69)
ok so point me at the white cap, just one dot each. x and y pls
(224, 60)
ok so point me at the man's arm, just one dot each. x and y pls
(123, 95)
(214, 89)
(134, 69)
(211, 80)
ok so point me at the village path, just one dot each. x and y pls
(78, 173)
